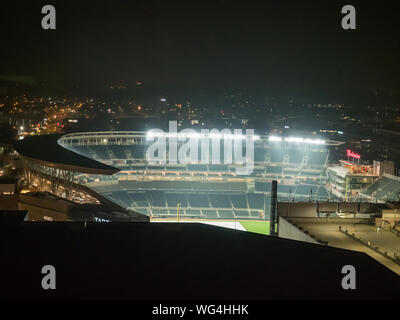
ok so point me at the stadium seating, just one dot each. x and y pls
(84, 151)
(198, 201)
(322, 192)
(296, 156)
(239, 201)
(100, 151)
(242, 214)
(173, 199)
(137, 151)
(259, 155)
(292, 171)
(256, 214)
(118, 151)
(220, 201)
(385, 188)
(156, 189)
(274, 169)
(193, 213)
(218, 167)
(157, 198)
(263, 186)
(317, 157)
(259, 170)
(210, 213)
(210, 205)
(140, 199)
(306, 190)
(276, 155)
(124, 197)
(226, 214)
(256, 200)
(311, 173)
(197, 167)
(285, 188)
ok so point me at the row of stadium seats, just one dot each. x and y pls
(275, 155)
(157, 198)
(109, 152)
(301, 189)
(182, 185)
(180, 171)
(163, 200)
(202, 213)
(291, 155)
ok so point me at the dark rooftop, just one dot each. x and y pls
(46, 149)
(179, 261)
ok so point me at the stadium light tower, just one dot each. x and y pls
(273, 224)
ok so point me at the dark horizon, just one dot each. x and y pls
(288, 48)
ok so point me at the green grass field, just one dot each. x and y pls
(256, 226)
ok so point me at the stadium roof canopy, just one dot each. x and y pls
(46, 150)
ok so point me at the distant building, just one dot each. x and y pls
(382, 167)
(347, 179)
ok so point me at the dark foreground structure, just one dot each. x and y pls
(178, 261)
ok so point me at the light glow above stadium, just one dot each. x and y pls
(296, 139)
(156, 134)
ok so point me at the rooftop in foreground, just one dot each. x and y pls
(328, 230)
(180, 261)
(46, 150)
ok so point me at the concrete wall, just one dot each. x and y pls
(56, 204)
(328, 206)
(330, 220)
(36, 213)
(289, 231)
(8, 188)
(9, 202)
(296, 209)
(309, 209)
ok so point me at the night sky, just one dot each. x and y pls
(277, 46)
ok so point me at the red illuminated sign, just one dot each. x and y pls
(353, 154)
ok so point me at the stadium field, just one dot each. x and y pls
(261, 227)
(256, 226)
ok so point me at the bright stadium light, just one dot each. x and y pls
(157, 134)
(316, 141)
(296, 140)
(275, 138)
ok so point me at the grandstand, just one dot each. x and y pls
(385, 189)
(196, 199)
(202, 191)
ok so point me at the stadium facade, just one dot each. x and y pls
(50, 173)
(204, 191)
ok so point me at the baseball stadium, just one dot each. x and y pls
(211, 193)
